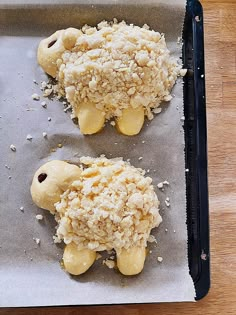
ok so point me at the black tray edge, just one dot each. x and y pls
(196, 157)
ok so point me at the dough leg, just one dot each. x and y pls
(77, 261)
(91, 120)
(131, 262)
(131, 121)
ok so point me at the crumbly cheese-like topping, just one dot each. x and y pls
(115, 66)
(112, 205)
(39, 217)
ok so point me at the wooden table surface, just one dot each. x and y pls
(220, 55)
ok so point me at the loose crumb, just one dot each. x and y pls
(113, 123)
(30, 109)
(67, 108)
(109, 263)
(37, 240)
(13, 148)
(43, 104)
(160, 185)
(39, 217)
(160, 259)
(56, 240)
(182, 118)
(166, 182)
(22, 209)
(143, 141)
(203, 255)
(60, 145)
(167, 203)
(152, 239)
(140, 158)
(167, 98)
(157, 110)
(183, 72)
(43, 84)
(45, 135)
(49, 118)
(179, 40)
(166, 230)
(29, 137)
(186, 170)
(47, 92)
(35, 97)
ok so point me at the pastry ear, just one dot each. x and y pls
(70, 37)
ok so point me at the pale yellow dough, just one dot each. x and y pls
(131, 261)
(131, 121)
(112, 71)
(91, 120)
(93, 212)
(77, 261)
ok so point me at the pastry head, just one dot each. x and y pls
(50, 181)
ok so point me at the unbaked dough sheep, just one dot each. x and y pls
(112, 71)
(101, 205)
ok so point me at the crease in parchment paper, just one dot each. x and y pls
(30, 273)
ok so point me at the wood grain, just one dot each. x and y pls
(220, 55)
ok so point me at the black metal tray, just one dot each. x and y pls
(196, 149)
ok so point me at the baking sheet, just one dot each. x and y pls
(31, 274)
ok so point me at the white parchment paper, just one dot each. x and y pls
(31, 274)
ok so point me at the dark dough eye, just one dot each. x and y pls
(52, 43)
(42, 177)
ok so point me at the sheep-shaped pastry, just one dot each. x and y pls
(112, 71)
(105, 204)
